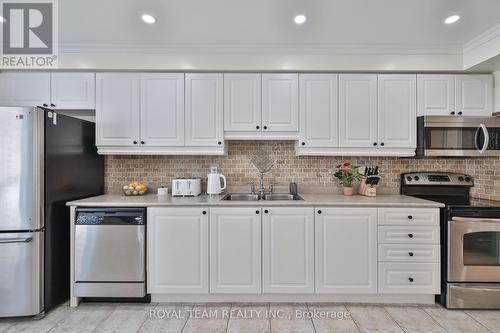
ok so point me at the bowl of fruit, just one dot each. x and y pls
(135, 188)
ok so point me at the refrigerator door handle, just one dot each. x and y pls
(16, 240)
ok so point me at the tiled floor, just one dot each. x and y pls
(255, 318)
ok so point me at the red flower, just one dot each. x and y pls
(346, 164)
(338, 166)
(345, 172)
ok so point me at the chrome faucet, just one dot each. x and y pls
(262, 190)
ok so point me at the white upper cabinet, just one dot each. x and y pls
(346, 250)
(459, 95)
(318, 110)
(288, 250)
(117, 109)
(162, 109)
(474, 95)
(73, 91)
(242, 102)
(204, 110)
(397, 112)
(358, 110)
(235, 250)
(177, 250)
(280, 102)
(436, 94)
(25, 89)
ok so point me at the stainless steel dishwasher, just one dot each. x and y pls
(110, 246)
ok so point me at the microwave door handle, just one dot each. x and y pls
(486, 138)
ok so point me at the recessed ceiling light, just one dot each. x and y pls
(452, 19)
(149, 19)
(300, 19)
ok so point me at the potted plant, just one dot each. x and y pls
(347, 173)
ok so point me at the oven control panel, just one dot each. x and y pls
(437, 178)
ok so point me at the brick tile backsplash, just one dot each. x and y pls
(311, 171)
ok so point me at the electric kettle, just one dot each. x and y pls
(214, 185)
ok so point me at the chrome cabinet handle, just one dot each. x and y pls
(16, 240)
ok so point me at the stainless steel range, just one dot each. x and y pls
(470, 238)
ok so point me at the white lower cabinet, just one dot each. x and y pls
(288, 250)
(235, 250)
(177, 250)
(346, 250)
(409, 278)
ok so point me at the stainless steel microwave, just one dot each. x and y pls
(458, 136)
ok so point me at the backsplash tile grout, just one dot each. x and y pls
(307, 171)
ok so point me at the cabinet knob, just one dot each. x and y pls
(219, 143)
(410, 217)
(319, 211)
(410, 254)
(257, 127)
(135, 142)
(265, 127)
(410, 279)
(257, 212)
(303, 143)
(452, 113)
(459, 113)
(266, 211)
(142, 142)
(52, 105)
(382, 144)
(45, 104)
(204, 212)
(410, 235)
(375, 143)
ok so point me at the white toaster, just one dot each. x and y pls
(186, 187)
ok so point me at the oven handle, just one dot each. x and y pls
(486, 139)
(472, 219)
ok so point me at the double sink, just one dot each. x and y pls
(266, 197)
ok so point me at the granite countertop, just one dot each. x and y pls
(310, 200)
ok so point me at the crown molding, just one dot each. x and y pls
(482, 38)
(346, 49)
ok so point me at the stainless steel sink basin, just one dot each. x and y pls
(281, 196)
(255, 197)
(241, 197)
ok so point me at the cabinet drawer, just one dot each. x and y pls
(405, 216)
(398, 252)
(408, 235)
(409, 278)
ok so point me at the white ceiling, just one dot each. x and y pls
(395, 24)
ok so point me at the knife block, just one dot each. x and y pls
(368, 190)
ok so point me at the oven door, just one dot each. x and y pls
(473, 250)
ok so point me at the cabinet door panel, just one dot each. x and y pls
(25, 89)
(397, 111)
(117, 109)
(358, 110)
(435, 94)
(235, 250)
(177, 250)
(242, 102)
(318, 110)
(474, 95)
(73, 91)
(346, 250)
(288, 250)
(204, 110)
(280, 102)
(162, 109)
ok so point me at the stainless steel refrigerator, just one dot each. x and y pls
(46, 159)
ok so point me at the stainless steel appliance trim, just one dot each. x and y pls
(453, 122)
(457, 271)
(92, 289)
(471, 219)
(460, 152)
(473, 295)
